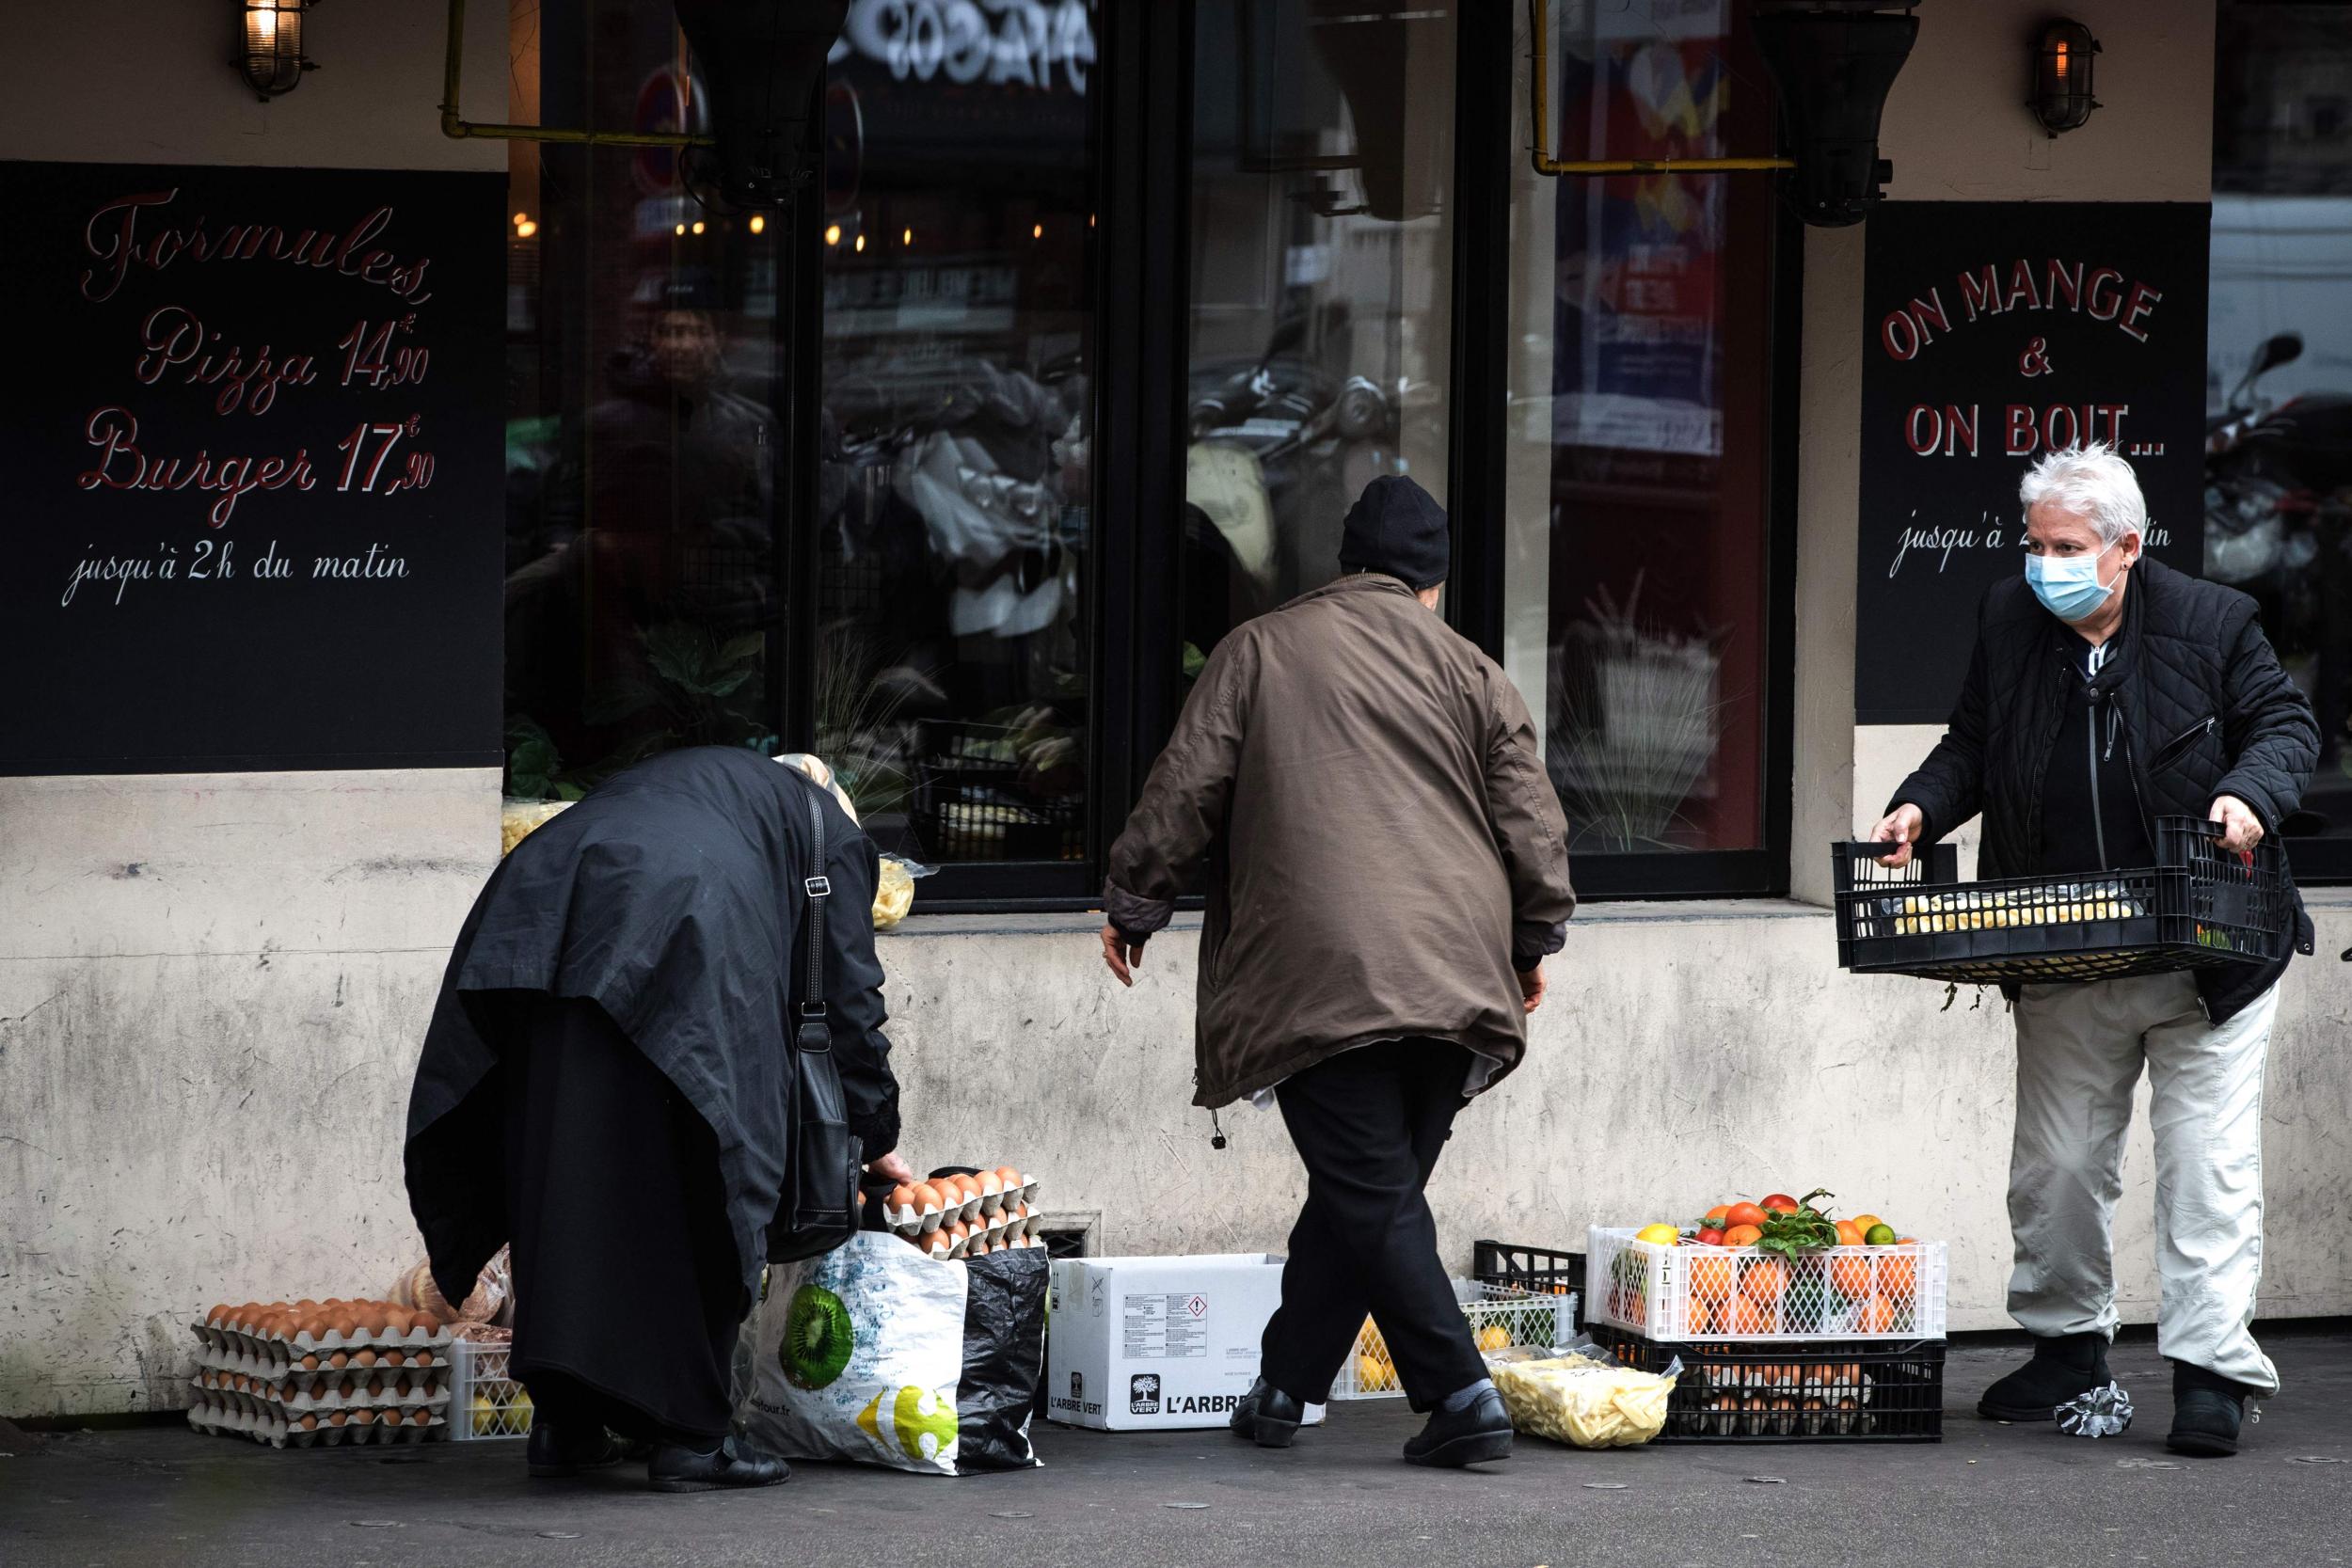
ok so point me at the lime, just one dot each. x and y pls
(1661, 1233)
(1879, 1235)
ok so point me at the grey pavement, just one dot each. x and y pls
(1987, 1494)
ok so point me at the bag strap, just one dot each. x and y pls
(816, 1031)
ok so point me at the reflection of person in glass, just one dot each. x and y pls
(653, 529)
(1388, 870)
(2106, 690)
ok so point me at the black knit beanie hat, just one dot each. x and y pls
(1398, 528)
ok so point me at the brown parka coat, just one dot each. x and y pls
(1384, 849)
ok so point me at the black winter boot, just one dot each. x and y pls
(2207, 1409)
(2064, 1367)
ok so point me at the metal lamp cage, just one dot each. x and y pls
(272, 59)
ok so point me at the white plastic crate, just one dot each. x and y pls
(485, 1402)
(1714, 1292)
(1500, 1316)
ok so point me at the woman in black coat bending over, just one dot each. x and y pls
(605, 1085)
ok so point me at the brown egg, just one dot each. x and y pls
(927, 1198)
(363, 1358)
(363, 1417)
(991, 1183)
(971, 1185)
(309, 1423)
(424, 1358)
(934, 1244)
(342, 1322)
(339, 1360)
(369, 1316)
(337, 1417)
(305, 1304)
(1008, 1176)
(421, 1418)
(901, 1198)
(395, 1358)
(212, 1319)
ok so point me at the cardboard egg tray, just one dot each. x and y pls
(910, 1221)
(304, 1395)
(262, 1349)
(333, 1429)
(998, 1232)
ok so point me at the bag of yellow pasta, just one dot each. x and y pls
(1584, 1401)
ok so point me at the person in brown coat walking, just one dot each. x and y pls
(1387, 870)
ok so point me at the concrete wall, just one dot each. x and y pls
(211, 986)
(1690, 1053)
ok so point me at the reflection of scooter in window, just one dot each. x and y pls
(2279, 524)
(1278, 447)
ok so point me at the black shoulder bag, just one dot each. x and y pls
(819, 1207)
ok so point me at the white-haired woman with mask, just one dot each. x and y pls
(2106, 690)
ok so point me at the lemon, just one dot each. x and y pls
(1494, 1336)
(485, 1415)
(1661, 1233)
(1374, 1376)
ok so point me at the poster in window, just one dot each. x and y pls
(1993, 332)
(1638, 353)
(252, 451)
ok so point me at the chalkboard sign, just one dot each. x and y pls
(1993, 332)
(252, 458)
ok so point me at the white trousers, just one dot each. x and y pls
(2079, 1051)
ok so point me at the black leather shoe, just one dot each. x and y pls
(2207, 1410)
(553, 1450)
(2064, 1367)
(1473, 1435)
(1267, 1417)
(734, 1463)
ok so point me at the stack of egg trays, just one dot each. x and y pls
(321, 1390)
(1007, 1216)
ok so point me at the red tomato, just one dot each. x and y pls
(1743, 1214)
(1780, 1203)
(1711, 1237)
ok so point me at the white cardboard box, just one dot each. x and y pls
(1139, 1344)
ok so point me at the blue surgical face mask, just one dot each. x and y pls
(2069, 586)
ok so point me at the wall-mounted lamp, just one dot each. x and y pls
(272, 60)
(2061, 76)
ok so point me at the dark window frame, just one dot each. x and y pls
(1143, 143)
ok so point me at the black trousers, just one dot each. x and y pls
(627, 1298)
(1370, 1123)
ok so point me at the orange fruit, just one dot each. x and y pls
(1864, 1222)
(1849, 1234)
(1899, 1275)
(1751, 1317)
(1876, 1317)
(1851, 1276)
(1743, 1214)
(1715, 1216)
(1764, 1279)
(1711, 1278)
(1743, 1235)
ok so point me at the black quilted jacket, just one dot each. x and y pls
(2207, 711)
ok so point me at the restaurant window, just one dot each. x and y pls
(2278, 372)
(919, 610)
(1321, 264)
(1642, 596)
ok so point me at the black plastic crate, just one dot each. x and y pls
(970, 803)
(1539, 1269)
(2197, 907)
(1794, 1390)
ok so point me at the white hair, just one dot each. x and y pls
(2092, 482)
